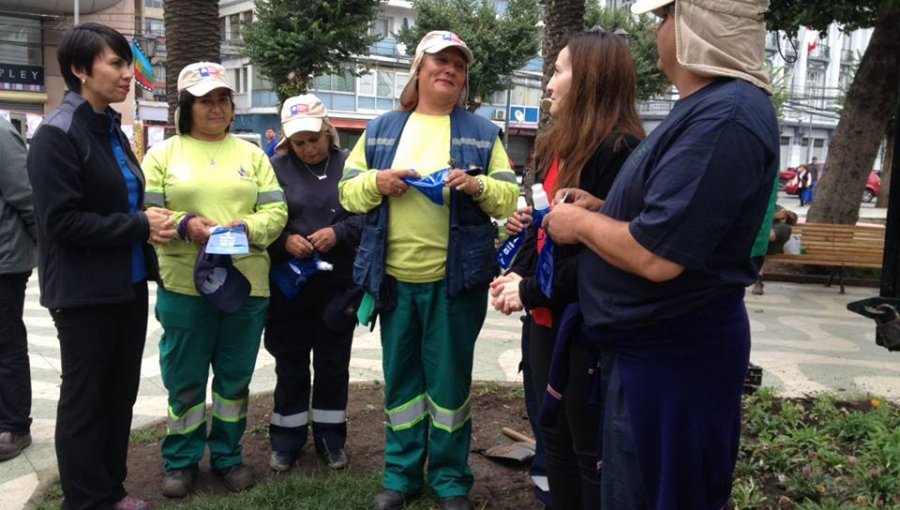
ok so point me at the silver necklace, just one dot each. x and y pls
(212, 159)
(324, 171)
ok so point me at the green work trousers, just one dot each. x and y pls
(197, 335)
(428, 342)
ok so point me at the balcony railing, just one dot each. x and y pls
(820, 52)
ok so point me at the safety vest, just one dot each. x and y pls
(470, 252)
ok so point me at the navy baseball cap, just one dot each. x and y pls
(222, 284)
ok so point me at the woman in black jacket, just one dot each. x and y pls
(320, 318)
(94, 262)
(595, 127)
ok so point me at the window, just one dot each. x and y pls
(238, 78)
(785, 140)
(385, 84)
(20, 41)
(153, 4)
(159, 72)
(344, 82)
(366, 84)
(154, 27)
(231, 28)
(401, 80)
(380, 27)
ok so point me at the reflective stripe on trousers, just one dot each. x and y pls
(229, 410)
(187, 422)
(406, 415)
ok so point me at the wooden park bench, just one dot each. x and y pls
(836, 246)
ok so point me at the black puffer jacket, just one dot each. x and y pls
(85, 229)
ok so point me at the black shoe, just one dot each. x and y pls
(454, 503)
(178, 482)
(389, 500)
(12, 444)
(281, 461)
(336, 459)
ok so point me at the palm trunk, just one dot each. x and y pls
(192, 35)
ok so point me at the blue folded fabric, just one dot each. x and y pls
(431, 185)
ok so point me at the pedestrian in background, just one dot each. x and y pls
(662, 287)
(210, 178)
(18, 255)
(320, 318)
(427, 266)
(271, 142)
(94, 262)
(595, 127)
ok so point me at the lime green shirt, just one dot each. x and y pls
(239, 186)
(418, 229)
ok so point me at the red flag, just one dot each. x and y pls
(812, 45)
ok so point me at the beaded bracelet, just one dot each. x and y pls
(182, 226)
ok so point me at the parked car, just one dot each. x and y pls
(785, 176)
(873, 185)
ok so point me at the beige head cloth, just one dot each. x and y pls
(719, 38)
(434, 42)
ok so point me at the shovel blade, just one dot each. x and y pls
(520, 452)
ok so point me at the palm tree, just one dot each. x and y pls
(561, 19)
(192, 35)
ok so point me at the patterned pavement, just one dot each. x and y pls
(803, 337)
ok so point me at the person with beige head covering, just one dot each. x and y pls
(668, 263)
(425, 264)
(312, 319)
(210, 178)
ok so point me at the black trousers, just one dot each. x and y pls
(570, 445)
(15, 369)
(101, 349)
(294, 330)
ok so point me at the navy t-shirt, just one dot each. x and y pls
(694, 192)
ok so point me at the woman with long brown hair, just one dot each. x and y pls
(595, 127)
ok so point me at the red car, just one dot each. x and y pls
(873, 185)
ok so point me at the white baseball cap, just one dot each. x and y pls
(435, 42)
(200, 78)
(304, 113)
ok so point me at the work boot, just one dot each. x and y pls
(281, 461)
(388, 500)
(129, 503)
(178, 482)
(336, 459)
(455, 503)
(237, 478)
(12, 444)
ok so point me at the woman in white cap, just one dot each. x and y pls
(319, 318)
(207, 178)
(427, 266)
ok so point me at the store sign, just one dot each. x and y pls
(523, 115)
(18, 77)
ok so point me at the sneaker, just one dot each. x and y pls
(758, 289)
(12, 444)
(178, 482)
(237, 478)
(336, 459)
(281, 461)
(129, 503)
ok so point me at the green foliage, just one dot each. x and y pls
(294, 40)
(818, 454)
(641, 32)
(789, 15)
(501, 43)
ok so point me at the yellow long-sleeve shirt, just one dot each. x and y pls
(225, 181)
(418, 229)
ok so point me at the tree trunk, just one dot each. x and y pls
(870, 102)
(192, 35)
(884, 195)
